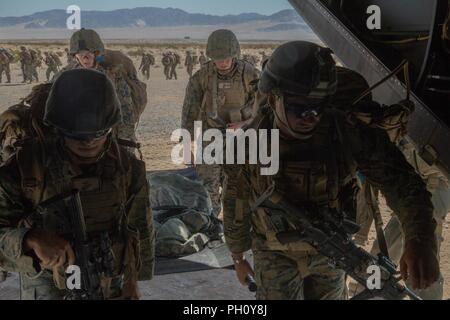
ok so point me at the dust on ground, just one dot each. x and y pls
(161, 117)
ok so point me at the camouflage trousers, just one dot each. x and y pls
(43, 288)
(34, 73)
(3, 275)
(40, 288)
(27, 72)
(167, 72)
(146, 72)
(297, 275)
(50, 70)
(173, 72)
(190, 69)
(214, 181)
(4, 68)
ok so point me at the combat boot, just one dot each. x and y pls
(3, 276)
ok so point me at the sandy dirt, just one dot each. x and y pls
(163, 113)
(160, 118)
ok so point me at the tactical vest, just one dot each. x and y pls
(25, 57)
(226, 97)
(104, 193)
(189, 61)
(34, 56)
(146, 61)
(313, 173)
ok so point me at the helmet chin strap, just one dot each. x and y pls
(282, 122)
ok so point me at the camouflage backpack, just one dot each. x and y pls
(182, 213)
(351, 87)
(10, 56)
(56, 58)
(23, 120)
(34, 57)
(3, 58)
(177, 58)
(116, 61)
(167, 60)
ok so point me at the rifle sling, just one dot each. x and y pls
(376, 215)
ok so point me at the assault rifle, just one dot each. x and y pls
(64, 215)
(331, 235)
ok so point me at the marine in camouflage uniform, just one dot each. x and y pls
(219, 99)
(89, 40)
(35, 63)
(438, 185)
(83, 107)
(51, 64)
(202, 59)
(146, 62)
(167, 63)
(5, 60)
(26, 64)
(321, 149)
(189, 63)
(176, 60)
(68, 56)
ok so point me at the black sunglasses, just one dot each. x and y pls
(304, 111)
(87, 137)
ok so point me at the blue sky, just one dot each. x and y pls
(218, 7)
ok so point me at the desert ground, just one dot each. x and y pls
(163, 113)
(161, 117)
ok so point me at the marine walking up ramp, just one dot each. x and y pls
(412, 30)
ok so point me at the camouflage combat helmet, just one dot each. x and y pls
(300, 68)
(223, 44)
(82, 104)
(86, 39)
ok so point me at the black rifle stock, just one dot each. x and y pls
(332, 238)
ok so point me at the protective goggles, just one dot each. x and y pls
(86, 54)
(87, 137)
(304, 108)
